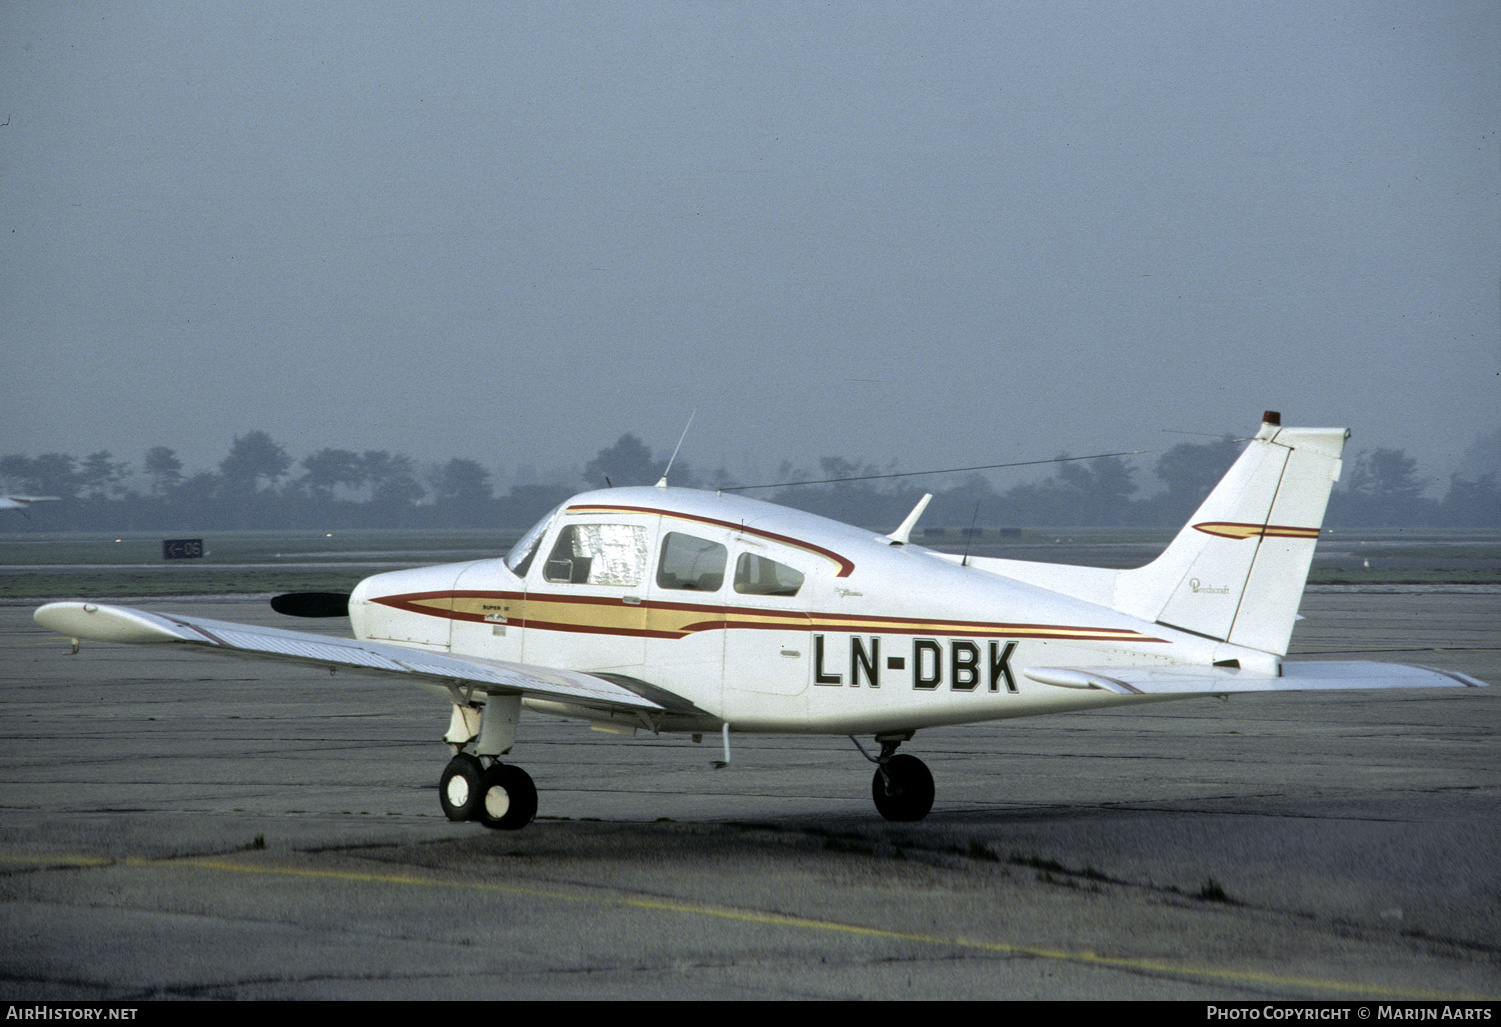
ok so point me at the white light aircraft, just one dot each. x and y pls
(676, 610)
(24, 503)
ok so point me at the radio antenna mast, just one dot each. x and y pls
(662, 484)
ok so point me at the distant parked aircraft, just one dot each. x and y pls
(23, 503)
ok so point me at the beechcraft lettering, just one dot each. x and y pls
(964, 667)
(671, 610)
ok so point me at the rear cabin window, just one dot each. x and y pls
(598, 554)
(691, 563)
(758, 576)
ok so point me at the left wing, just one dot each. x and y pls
(1309, 676)
(493, 677)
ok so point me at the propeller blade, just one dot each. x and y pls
(312, 604)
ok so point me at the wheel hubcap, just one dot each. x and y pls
(458, 791)
(497, 802)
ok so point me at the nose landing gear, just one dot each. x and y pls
(903, 789)
(902, 786)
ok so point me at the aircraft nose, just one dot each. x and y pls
(406, 606)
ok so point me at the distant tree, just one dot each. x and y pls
(329, 468)
(1482, 457)
(1472, 503)
(1190, 471)
(253, 458)
(971, 500)
(53, 474)
(847, 493)
(14, 470)
(193, 503)
(102, 476)
(197, 498)
(628, 462)
(164, 469)
(1096, 492)
(524, 505)
(838, 469)
(1382, 490)
(15, 473)
(393, 480)
(1038, 502)
(461, 489)
(460, 481)
(722, 479)
(1386, 474)
(787, 472)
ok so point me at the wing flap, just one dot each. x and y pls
(105, 623)
(1295, 677)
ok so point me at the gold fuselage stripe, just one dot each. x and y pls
(655, 619)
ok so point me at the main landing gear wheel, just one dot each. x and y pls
(458, 788)
(507, 799)
(903, 788)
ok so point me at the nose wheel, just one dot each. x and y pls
(500, 796)
(902, 788)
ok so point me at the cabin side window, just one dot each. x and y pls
(598, 554)
(691, 563)
(758, 576)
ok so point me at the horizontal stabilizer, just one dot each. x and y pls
(1296, 677)
(123, 624)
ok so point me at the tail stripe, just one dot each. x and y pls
(1231, 529)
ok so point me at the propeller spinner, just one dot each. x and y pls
(312, 604)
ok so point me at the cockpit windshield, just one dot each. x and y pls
(519, 559)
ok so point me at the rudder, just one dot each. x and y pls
(1236, 570)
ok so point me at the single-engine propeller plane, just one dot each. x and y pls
(677, 610)
(24, 503)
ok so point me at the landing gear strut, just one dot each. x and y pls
(902, 786)
(477, 786)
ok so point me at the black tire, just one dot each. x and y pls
(904, 792)
(458, 788)
(507, 798)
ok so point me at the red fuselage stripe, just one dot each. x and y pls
(738, 617)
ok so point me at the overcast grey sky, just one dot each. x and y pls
(945, 233)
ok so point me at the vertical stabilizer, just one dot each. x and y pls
(1237, 569)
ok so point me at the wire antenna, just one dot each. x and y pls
(662, 484)
(1222, 436)
(949, 470)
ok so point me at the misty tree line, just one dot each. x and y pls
(258, 485)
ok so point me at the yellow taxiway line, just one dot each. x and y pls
(750, 916)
